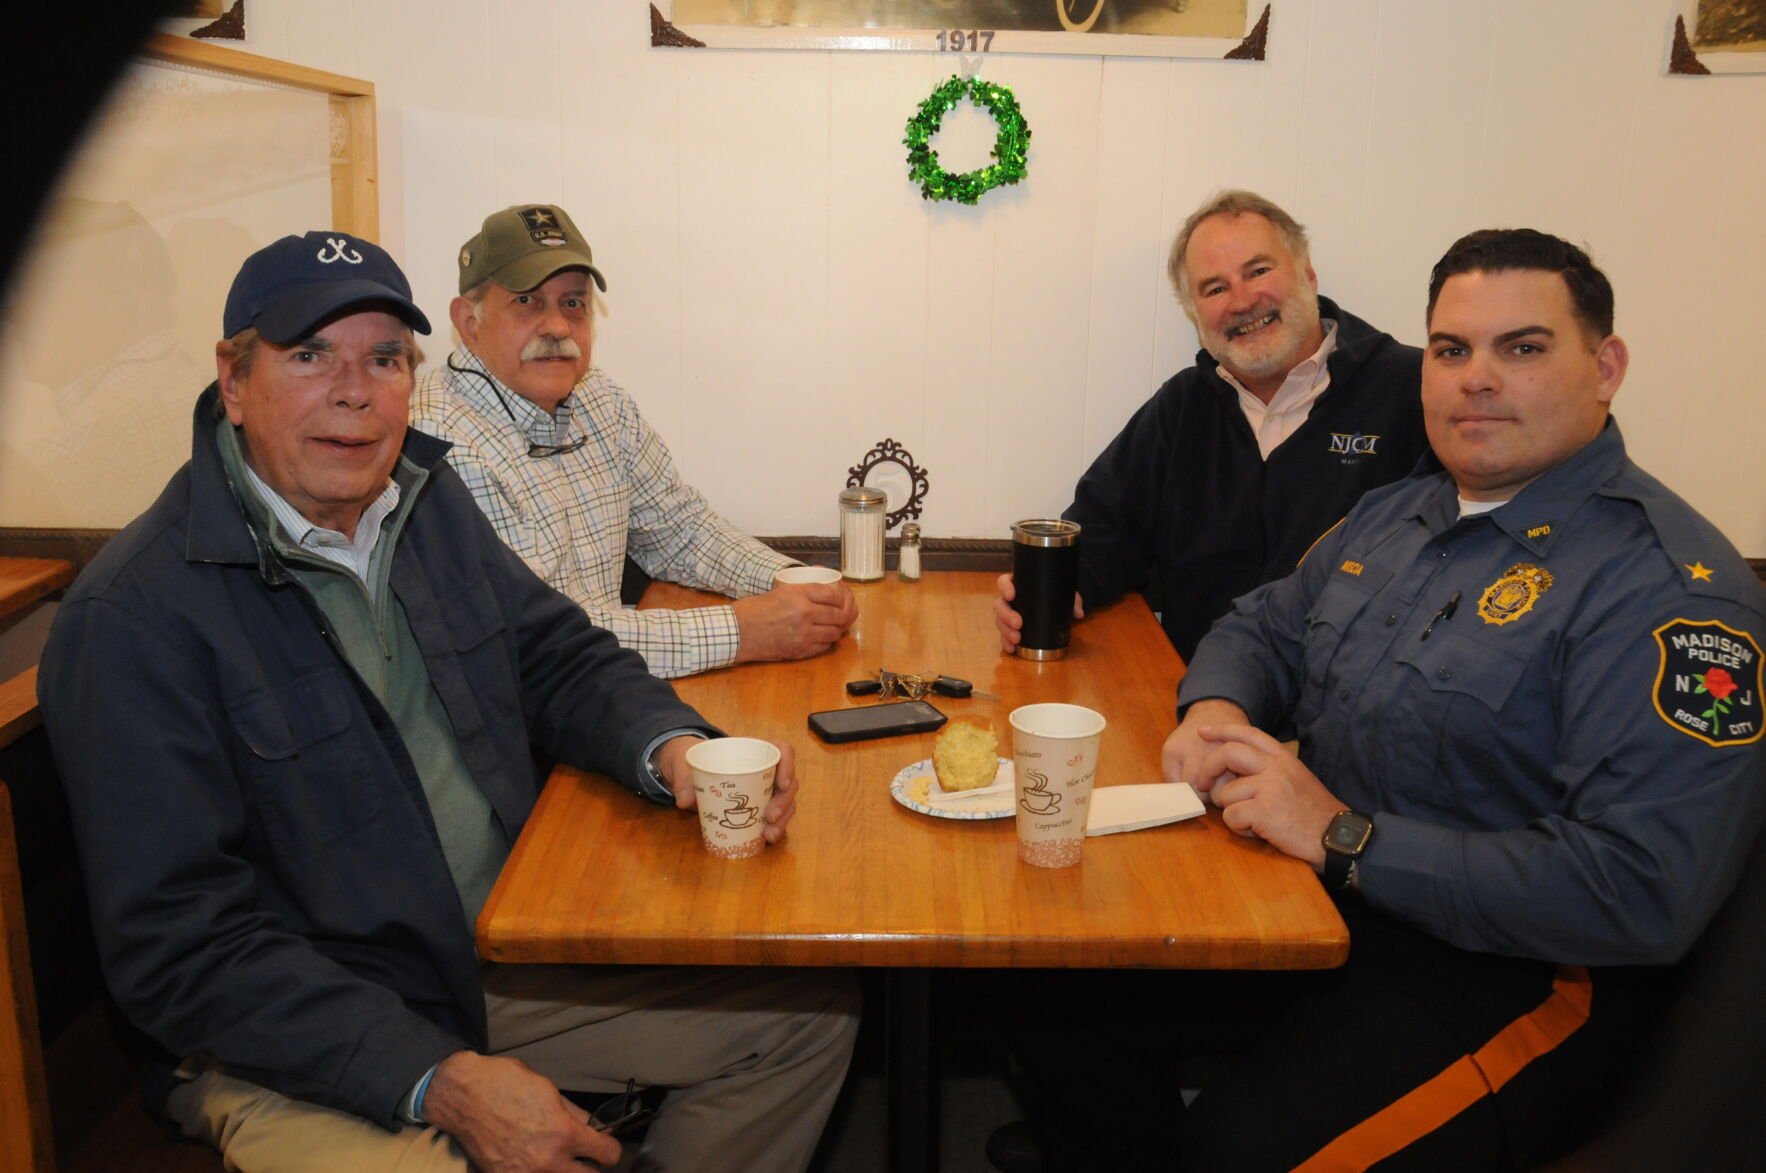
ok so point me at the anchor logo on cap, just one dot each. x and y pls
(340, 251)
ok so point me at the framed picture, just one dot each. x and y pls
(1719, 36)
(205, 19)
(1137, 28)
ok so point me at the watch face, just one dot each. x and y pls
(1349, 833)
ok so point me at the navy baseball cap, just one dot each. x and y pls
(287, 288)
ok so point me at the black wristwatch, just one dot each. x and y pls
(1344, 841)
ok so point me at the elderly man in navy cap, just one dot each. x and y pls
(296, 706)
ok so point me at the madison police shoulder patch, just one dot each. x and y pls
(1708, 683)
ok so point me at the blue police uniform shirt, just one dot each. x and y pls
(1569, 767)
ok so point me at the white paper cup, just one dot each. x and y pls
(1055, 755)
(733, 780)
(807, 574)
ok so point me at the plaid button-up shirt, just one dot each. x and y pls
(574, 516)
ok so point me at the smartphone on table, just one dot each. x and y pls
(891, 720)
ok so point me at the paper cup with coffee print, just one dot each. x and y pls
(1055, 754)
(733, 782)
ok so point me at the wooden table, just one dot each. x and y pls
(602, 876)
(25, 580)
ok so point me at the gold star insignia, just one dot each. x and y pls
(1699, 571)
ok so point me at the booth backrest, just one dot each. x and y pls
(25, 1143)
(1697, 1096)
(69, 1095)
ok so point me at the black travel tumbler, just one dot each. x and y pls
(1045, 573)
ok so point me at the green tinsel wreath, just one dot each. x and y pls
(1009, 149)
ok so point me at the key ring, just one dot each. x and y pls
(912, 685)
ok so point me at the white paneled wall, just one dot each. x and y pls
(781, 298)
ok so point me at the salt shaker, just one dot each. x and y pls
(861, 533)
(908, 568)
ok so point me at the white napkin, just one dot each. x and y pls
(1132, 808)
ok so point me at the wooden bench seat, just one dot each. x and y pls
(25, 580)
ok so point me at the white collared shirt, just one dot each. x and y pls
(354, 554)
(1292, 402)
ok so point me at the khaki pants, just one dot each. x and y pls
(754, 1059)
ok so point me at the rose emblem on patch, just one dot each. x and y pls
(1720, 685)
(1708, 681)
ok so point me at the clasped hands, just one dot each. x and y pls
(793, 621)
(1262, 790)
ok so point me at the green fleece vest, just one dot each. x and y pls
(370, 625)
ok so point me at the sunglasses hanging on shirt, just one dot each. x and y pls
(534, 448)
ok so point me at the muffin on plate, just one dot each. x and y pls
(965, 755)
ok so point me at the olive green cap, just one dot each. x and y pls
(522, 247)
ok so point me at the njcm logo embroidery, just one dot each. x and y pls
(1353, 444)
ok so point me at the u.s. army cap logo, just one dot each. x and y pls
(543, 227)
(1708, 684)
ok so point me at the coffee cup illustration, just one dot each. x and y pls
(1037, 798)
(739, 816)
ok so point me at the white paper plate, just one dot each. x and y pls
(989, 806)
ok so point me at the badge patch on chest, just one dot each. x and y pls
(1513, 595)
(1708, 685)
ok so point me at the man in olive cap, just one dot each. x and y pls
(296, 707)
(573, 478)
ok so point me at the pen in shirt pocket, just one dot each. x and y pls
(1444, 613)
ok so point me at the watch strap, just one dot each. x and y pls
(1339, 856)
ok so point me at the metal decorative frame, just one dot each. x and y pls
(876, 463)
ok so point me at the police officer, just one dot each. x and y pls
(1528, 697)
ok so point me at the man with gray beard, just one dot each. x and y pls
(1229, 473)
(573, 478)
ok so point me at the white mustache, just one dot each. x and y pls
(545, 347)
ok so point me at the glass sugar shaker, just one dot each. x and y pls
(908, 567)
(861, 533)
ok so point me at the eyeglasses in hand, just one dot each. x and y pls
(621, 1113)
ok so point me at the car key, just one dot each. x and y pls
(958, 687)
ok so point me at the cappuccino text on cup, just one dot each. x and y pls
(732, 783)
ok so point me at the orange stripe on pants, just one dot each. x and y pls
(1465, 1081)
